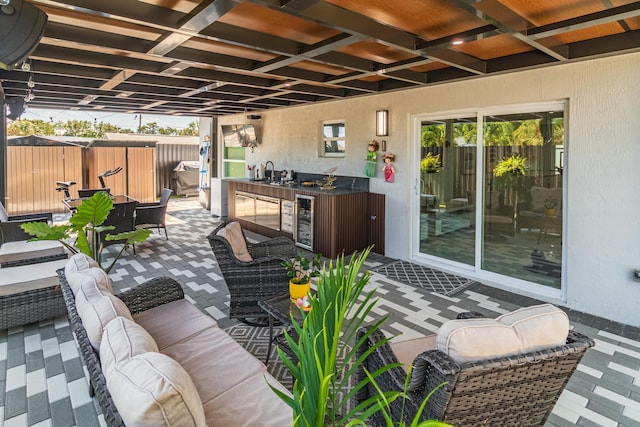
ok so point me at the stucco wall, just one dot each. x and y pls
(602, 235)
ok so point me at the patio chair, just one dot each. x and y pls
(85, 193)
(14, 248)
(252, 271)
(151, 215)
(122, 218)
(10, 224)
(514, 389)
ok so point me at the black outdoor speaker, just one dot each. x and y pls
(21, 28)
(15, 107)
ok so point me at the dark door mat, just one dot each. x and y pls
(426, 278)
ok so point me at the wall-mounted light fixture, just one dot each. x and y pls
(382, 123)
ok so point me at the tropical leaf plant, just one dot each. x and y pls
(85, 226)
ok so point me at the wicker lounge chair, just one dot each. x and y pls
(255, 280)
(151, 215)
(10, 230)
(507, 391)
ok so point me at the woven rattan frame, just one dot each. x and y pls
(509, 391)
(252, 281)
(152, 293)
(31, 306)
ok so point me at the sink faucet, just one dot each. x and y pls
(273, 171)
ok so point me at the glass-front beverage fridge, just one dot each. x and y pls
(304, 221)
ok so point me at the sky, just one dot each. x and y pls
(129, 121)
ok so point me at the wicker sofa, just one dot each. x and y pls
(483, 386)
(153, 358)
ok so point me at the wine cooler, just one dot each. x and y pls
(304, 221)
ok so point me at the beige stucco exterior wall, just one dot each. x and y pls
(602, 164)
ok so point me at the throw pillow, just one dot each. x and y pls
(121, 340)
(91, 277)
(538, 327)
(79, 262)
(233, 234)
(521, 331)
(151, 389)
(476, 339)
(97, 312)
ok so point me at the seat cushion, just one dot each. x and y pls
(121, 340)
(233, 234)
(98, 311)
(152, 389)
(173, 322)
(249, 403)
(522, 331)
(15, 280)
(215, 362)
(406, 351)
(23, 250)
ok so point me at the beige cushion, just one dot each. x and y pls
(214, 361)
(121, 340)
(93, 277)
(477, 339)
(23, 250)
(233, 234)
(521, 331)
(79, 262)
(173, 322)
(152, 389)
(250, 403)
(538, 327)
(23, 278)
(97, 312)
(406, 351)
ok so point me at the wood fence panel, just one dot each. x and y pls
(48, 167)
(101, 159)
(19, 180)
(73, 164)
(141, 174)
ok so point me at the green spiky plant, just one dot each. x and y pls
(320, 394)
(85, 225)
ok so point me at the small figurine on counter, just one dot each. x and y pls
(372, 158)
(389, 170)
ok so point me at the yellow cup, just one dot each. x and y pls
(298, 290)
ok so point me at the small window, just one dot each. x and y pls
(333, 139)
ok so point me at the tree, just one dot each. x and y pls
(193, 129)
(30, 127)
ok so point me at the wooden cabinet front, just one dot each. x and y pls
(341, 222)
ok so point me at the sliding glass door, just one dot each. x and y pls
(447, 186)
(523, 195)
(491, 192)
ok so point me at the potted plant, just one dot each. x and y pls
(85, 225)
(300, 271)
(549, 206)
(327, 351)
(428, 165)
(510, 173)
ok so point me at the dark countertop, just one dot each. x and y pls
(295, 186)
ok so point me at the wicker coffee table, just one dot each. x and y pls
(280, 308)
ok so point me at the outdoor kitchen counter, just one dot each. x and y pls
(295, 186)
(344, 219)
